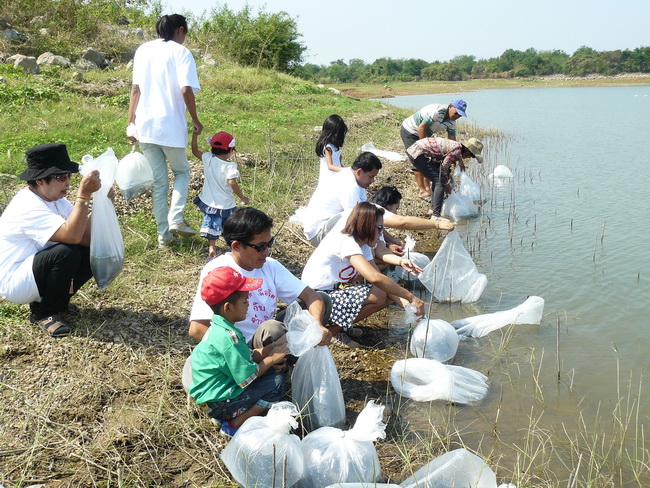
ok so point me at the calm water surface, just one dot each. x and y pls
(573, 228)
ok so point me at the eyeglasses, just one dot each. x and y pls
(62, 177)
(261, 247)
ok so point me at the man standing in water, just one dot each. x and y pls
(164, 83)
(425, 123)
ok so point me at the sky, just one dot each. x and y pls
(438, 31)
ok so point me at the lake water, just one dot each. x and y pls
(571, 227)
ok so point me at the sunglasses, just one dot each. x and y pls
(264, 245)
(62, 178)
(380, 228)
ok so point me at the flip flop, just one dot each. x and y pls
(426, 199)
(54, 325)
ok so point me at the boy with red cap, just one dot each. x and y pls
(216, 199)
(229, 381)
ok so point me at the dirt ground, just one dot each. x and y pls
(105, 406)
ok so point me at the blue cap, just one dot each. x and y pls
(460, 106)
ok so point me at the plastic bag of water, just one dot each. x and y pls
(434, 339)
(134, 175)
(529, 312)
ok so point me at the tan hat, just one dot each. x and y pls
(474, 146)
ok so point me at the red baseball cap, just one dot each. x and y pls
(223, 140)
(222, 282)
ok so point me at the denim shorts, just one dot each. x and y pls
(269, 387)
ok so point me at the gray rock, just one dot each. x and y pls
(77, 76)
(3, 23)
(94, 56)
(208, 60)
(12, 35)
(85, 65)
(28, 63)
(53, 59)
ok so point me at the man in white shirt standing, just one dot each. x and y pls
(340, 192)
(164, 84)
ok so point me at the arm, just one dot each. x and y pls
(190, 104)
(237, 191)
(406, 222)
(422, 130)
(372, 275)
(384, 253)
(198, 328)
(134, 99)
(269, 356)
(75, 230)
(328, 159)
(316, 309)
(195, 145)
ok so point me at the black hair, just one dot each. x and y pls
(33, 184)
(464, 151)
(217, 308)
(367, 161)
(244, 223)
(219, 151)
(333, 132)
(166, 25)
(388, 195)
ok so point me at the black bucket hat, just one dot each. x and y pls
(47, 159)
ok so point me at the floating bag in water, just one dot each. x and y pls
(106, 244)
(263, 447)
(452, 275)
(468, 188)
(425, 380)
(434, 339)
(458, 207)
(335, 456)
(315, 384)
(134, 175)
(529, 312)
(501, 171)
(456, 469)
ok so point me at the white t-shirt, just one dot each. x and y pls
(216, 191)
(337, 193)
(278, 283)
(26, 226)
(161, 69)
(324, 171)
(330, 262)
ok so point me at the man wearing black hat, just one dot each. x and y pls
(44, 239)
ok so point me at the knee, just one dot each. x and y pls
(278, 385)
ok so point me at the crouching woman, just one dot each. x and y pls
(343, 258)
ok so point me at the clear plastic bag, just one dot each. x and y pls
(390, 155)
(262, 446)
(452, 276)
(434, 339)
(425, 380)
(458, 207)
(501, 171)
(468, 188)
(364, 485)
(316, 389)
(400, 274)
(529, 312)
(134, 175)
(303, 332)
(455, 469)
(106, 244)
(186, 374)
(335, 456)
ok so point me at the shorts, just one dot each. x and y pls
(347, 303)
(213, 219)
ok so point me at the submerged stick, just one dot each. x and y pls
(557, 341)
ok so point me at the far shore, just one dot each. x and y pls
(400, 88)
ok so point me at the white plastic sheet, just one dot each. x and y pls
(106, 244)
(425, 380)
(303, 332)
(455, 469)
(316, 389)
(452, 276)
(529, 312)
(458, 207)
(186, 375)
(468, 188)
(249, 456)
(390, 155)
(434, 339)
(134, 175)
(335, 456)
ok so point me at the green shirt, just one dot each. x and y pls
(222, 365)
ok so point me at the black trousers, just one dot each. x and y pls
(431, 169)
(59, 272)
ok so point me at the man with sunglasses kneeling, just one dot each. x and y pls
(45, 239)
(248, 234)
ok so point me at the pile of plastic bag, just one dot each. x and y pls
(425, 380)
(452, 275)
(334, 456)
(106, 244)
(263, 452)
(529, 312)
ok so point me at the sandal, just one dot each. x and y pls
(426, 198)
(54, 325)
